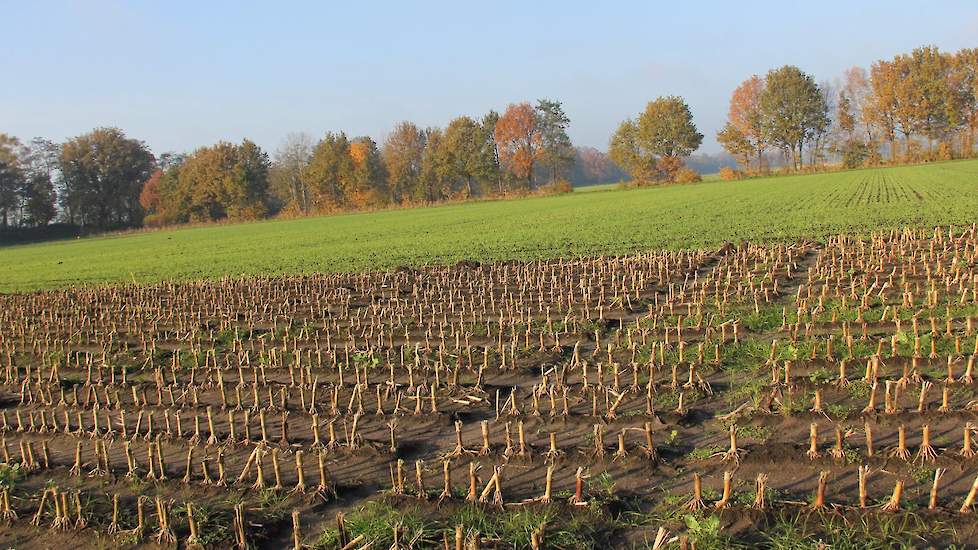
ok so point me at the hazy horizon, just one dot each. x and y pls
(179, 76)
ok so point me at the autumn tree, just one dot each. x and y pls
(172, 203)
(102, 175)
(794, 111)
(743, 135)
(922, 93)
(519, 141)
(151, 196)
(557, 152)
(367, 184)
(222, 181)
(881, 109)
(963, 84)
(403, 154)
(345, 173)
(655, 146)
(162, 197)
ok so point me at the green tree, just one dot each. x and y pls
(666, 130)
(345, 173)
(403, 154)
(468, 157)
(735, 142)
(328, 170)
(102, 173)
(435, 168)
(655, 146)
(625, 151)
(248, 189)
(794, 111)
(557, 150)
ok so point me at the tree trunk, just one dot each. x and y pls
(292, 192)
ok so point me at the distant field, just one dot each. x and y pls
(612, 222)
(596, 187)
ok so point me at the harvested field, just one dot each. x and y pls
(748, 395)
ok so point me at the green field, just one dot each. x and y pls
(604, 221)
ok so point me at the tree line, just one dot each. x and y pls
(914, 107)
(107, 180)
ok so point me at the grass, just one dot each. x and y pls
(775, 209)
(10, 474)
(791, 532)
(579, 529)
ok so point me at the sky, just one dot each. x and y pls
(180, 75)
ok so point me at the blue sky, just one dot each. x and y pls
(184, 74)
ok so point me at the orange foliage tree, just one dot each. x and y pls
(149, 197)
(366, 185)
(358, 152)
(745, 115)
(882, 107)
(743, 135)
(519, 141)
